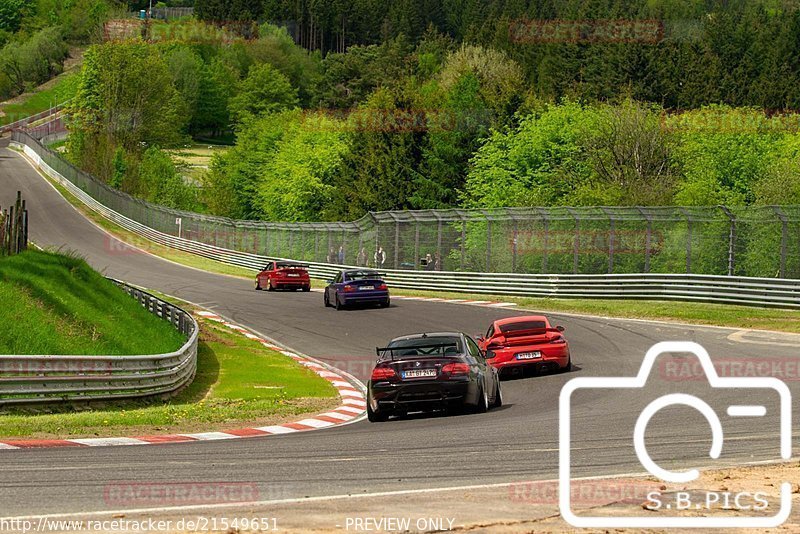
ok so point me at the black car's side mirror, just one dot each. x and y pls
(560, 328)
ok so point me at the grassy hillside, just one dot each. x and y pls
(56, 304)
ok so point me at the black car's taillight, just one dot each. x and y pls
(380, 374)
(455, 369)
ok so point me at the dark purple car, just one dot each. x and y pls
(357, 286)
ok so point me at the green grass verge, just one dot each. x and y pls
(56, 304)
(64, 89)
(239, 383)
(685, 312)
(688, 312)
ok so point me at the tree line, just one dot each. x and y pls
(35, 36)
(462, 104)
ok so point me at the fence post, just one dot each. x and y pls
(784, 238)
(731, 240)
(514, 251)
(439, 244)
(611, 236)
(463, 243)
(416, 244)
(648, 239)
(488, 245)
(396, 243)
(576, 241)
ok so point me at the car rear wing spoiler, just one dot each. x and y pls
(381, 351)
(294, 266)
(529, 332)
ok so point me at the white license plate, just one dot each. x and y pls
(420, 373)
(367, 288)
(529, 355)
(293, 275)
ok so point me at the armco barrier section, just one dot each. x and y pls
(768, 292)
(49, 379)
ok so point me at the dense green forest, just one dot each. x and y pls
(343, 107)
(35, 36)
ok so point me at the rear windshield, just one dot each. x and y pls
(362, 275)
(523, 325)
(427, 346)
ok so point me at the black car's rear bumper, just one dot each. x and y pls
(421, 395)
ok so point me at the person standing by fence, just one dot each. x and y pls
(380, 258)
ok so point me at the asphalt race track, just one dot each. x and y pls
(517, 442)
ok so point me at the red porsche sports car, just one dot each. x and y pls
(517, 344)
(283, 275)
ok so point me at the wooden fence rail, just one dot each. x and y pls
(14, 228)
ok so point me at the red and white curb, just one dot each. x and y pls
(353, 407)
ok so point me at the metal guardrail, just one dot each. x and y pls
(43, 379)
(766, 292)
(754, 240)
(25, 122)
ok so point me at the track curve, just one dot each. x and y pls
(517, 442)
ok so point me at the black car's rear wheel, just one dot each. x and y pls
(327, 301)
(483, 402)
(384, 304)
(375, 416)
(339, 304)
(498, 397)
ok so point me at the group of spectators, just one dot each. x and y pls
(431, 262)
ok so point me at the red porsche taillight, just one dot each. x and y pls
(348, 289)
(558, 339)
(455, 369)
(383, 373)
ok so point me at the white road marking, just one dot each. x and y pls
(203, 508)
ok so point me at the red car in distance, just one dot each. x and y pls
(527, 343)
(283, 275)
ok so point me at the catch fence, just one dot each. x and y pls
(754, 241)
